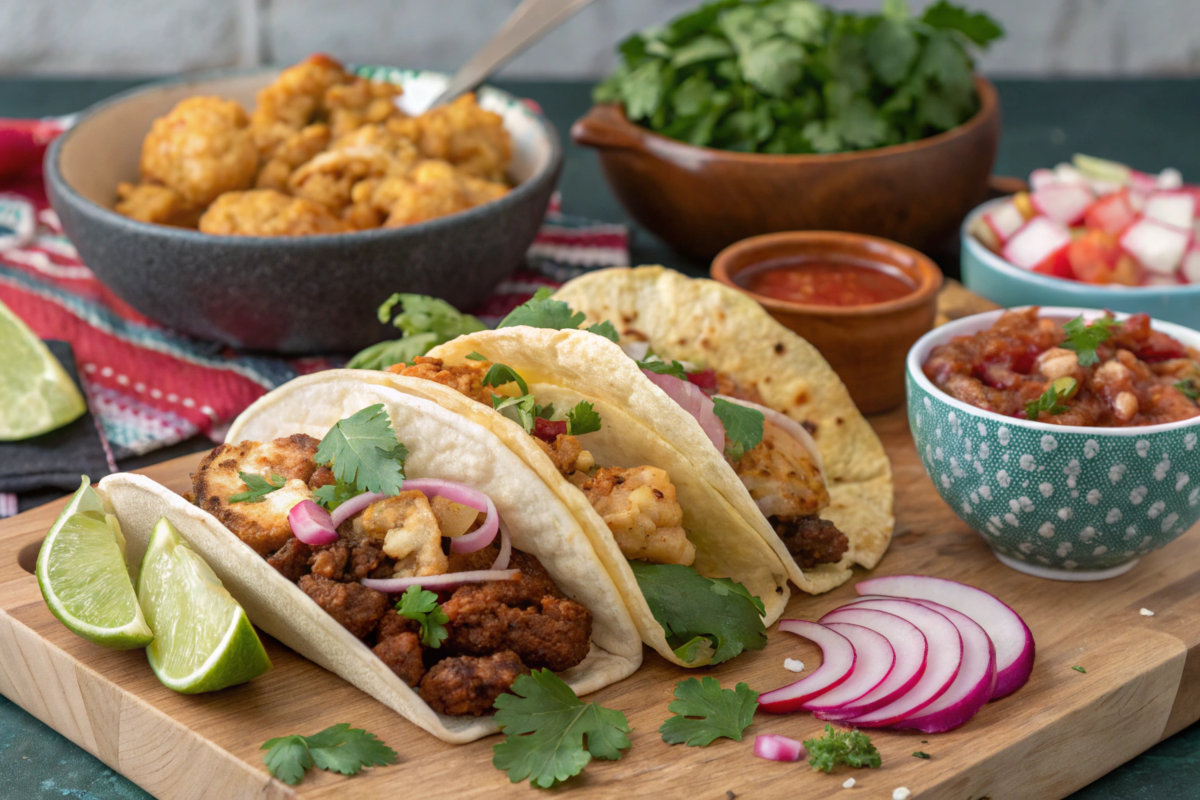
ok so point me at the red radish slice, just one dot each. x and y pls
(1174, 208)
(774, 747)
(1157, 247)
(1008, 632)
(874, 660)
(1111, 214)
(1041, 178)
(908, 645)
(838, 658)
(1063, 203)
(1039, 239)
(1005, 220)
(1191, 265)
(942, 665)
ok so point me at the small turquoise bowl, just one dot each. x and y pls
(1068, 503)
(1006, 284)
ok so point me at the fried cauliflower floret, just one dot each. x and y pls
(430, 190)
(640, 509)
(470, 138)
(410, 534)
(266, 212)
(360, 102)
(466, 379)
(782, 476)
(329, 177)
(295, 99)
(148, 202)
(263, 525)
(296, 149)
(200, 149)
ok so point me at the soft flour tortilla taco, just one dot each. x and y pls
(732, 346)
(518, 583)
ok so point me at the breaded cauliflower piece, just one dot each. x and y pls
(410, 534)
(470, 138)
(297, 148)
(294, 100)
(640, 509)
(361, 102)
(148, 202)
(266, 212)
(329, 178)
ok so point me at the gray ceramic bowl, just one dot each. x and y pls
(305, 294)
(1052, 500)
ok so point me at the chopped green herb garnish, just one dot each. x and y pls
(1048, 402)
(334, 494)
(743, 426)
(1189, 388)
(656, 364)
(422, 607)
(474, 356)
(500, 374)
(920, 754)
(522, 410)
(852, 748)
(704, 712)
(339, 748)
(545, 412)
(582, 419)
(258, 487)
(1079, 669)
(363, 452)
(1084, 338)
(540, 311)
(426, 322)
(604, 329)
(545, 725)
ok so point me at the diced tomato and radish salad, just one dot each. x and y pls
(911, 653)
(1100, 222)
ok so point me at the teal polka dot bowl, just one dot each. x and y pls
(1054, 501)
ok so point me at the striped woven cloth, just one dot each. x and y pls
(150, 387)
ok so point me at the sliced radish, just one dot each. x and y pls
(874, 659)
(971, 689)
(1111, 214)
(1170, 178)
(1008, 632)
(1143, 182)
(1040, 178)
(1157, 247)
(774, 747)
(838, 659)
(1191, 265)
(1063, 203)
(1174, 208)
(1068, 174)
(1036, 241)
(1004, 220)
(942, 666)
(908, 645)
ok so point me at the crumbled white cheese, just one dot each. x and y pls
(792, 665)
(1147, 612)
(901, 794)
(849, 784)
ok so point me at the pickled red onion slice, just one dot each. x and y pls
(452, 491)
(691, 399)
(451, 580)
(312, 524)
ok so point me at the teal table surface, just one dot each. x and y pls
(1150, 124)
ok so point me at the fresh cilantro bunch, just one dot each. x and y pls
(545, 725)
(707, 620)
(339, 748)
(425, 321)
(422, 607)
(704, 711)
(364, 454)
(791, 76)
(852, 748)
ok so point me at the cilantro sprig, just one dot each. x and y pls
(257, 487)
(852, 748)
(704, 712)
(583, 418)
(500, 374)
(1190, 389)
(707, 620)
(422, 607)
(333, 495)
(1048, 402)
(550, 734)
(657, 365)
(540, 311)
(338, 748)
(425, 322)
(363, 452)
(1084, 338)
(743, 426)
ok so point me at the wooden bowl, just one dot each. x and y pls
(701, 200)
(866, 345)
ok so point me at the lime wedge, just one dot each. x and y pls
(203, 640)
(81, 571)
(36, 394)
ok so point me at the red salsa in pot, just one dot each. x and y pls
(1104, 373)
(826, 282)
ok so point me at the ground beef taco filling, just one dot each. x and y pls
(496, 630)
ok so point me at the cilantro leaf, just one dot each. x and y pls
(474, 356)
(545, 723)
(852, 748)
(258, 487)
(979, 27)
(545, 412)
(688, 605)
(1189, 388)
(727, 586)
(500, 374)
(522, 410)
(422, 607)
(743, 426)
(425, 322)
(582, 419)
(604, 329)
(656, 364)
(1084, 338)
(1048, 402)
(891, 49)
(363, 452)
(540, 311)
(338, 748)
(334, 494)
(704, 711)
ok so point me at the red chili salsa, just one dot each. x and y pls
(1106, 374)
(826, 282)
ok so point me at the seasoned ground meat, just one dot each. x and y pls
(811, 540)
(329, 561)
(469, 685)
(567, 454)
(393, 624)
(367, 560)
(402, 654)
(466, 379)
(292, 559)
(355, 607)
(322, 477)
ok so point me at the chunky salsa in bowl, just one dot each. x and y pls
(1067, 438)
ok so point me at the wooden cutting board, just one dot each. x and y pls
(1061, 731)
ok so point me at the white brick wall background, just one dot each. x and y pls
(152, 37)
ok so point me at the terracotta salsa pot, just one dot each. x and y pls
(700, 199)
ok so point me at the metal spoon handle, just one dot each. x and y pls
(528, 23)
